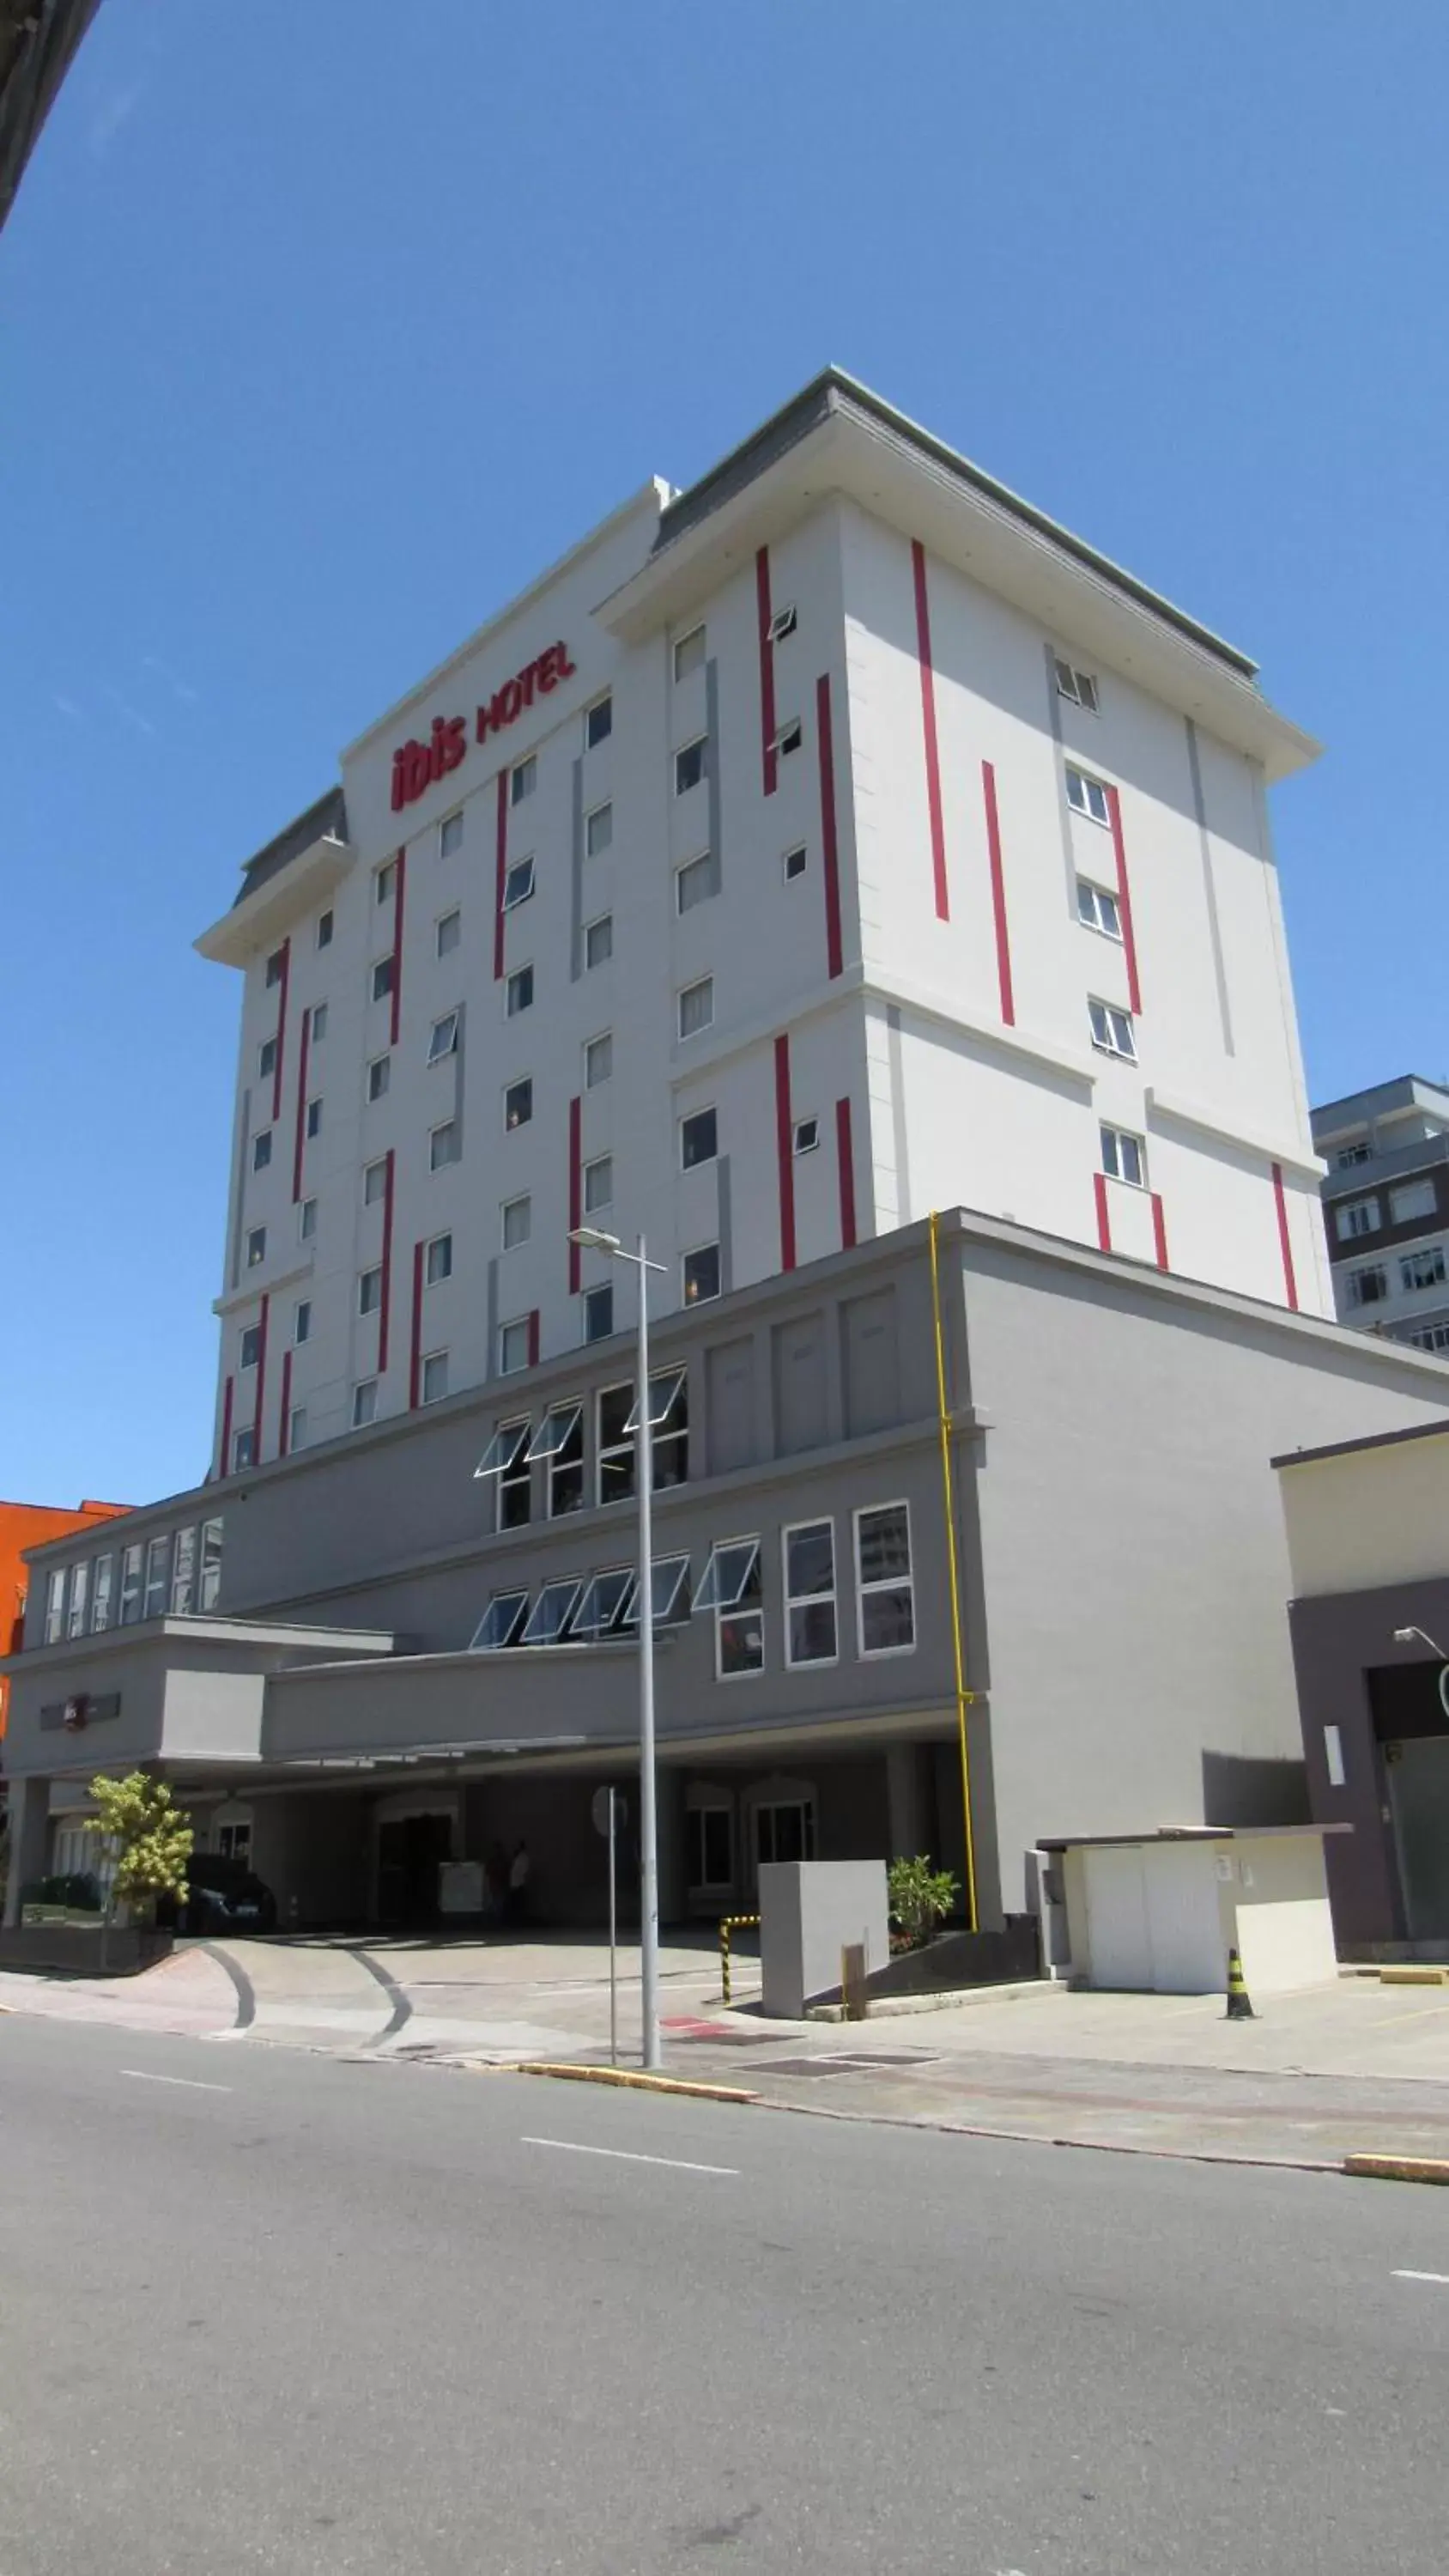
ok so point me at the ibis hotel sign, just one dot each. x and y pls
(417, 766)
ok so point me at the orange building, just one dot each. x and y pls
(24, 1525)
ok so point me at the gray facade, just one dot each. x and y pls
(1386, 1208)
(1124, 1575)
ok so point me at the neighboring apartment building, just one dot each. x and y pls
(833, 840)
(1386, 1208)
(27, 1525)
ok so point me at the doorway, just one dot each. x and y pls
(409, 1851)
(1417, 1770)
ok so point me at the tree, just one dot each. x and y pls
(919, 1897)
(147, 1838)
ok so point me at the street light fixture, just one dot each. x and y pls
(1406, 1636)
(593, 1239)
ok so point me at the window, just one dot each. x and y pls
(606, 1596)
(374, 1181)
(183, 1575)
(785, 1830)
(101, 1594)
(443, 1145)
(449, 932)
(701, 1274)
(1079, 686)
(689, 765)
(364, 1403)
(698, 1138)
(80, 1586)
(709, 1849)
(696, 1007)
(548, 1621)
(524, 779)
(307, 1220)
(324, 929)
(444, 1040)
(598, 722)
(319, 1022)
(788, 738)
(783, 623)
(599, 831)
(513, 1341)
(810, 1628)
(598, 1183)
(615, 1443)
(599, 940)
(732, 1589)
(520, 991)
(210, 1585)
(256, 1247)
(384, 882)
(1414, 1199)
(450, 835)
(807, 1135)
(297, 1428)
(887, 1606)
(302, 1320)
(689, 653)
(517, 1222)
(261, 1149)
(379, 1075)
(158, 1568)
(1368, 1287)
(1097, 909)
(1360, 1216)
(234, 1842)
(518, 884)
(244, 1450)
(382, 979)
(1423, 1269)
(266, 1059)
(694, 883)
(435, 1377)
(1124, 1157)
(251, 1346)
(314, 1117)
(518, 1103)
(1087, 795)
(506, 1457)
(669, 1427)
(1425, 1337)
(500, 1622)
(438, 1260)
(131, 1585)
(1112, 1030)
(793, 864)
(668, 1592)
(559, 1441)
(369, 1291)
(275, 964)
(598, 1060)
(1348, 1155)
(55, 1604)
(599, 1312)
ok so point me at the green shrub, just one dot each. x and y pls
(919, 1896)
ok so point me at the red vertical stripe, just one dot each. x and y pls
(845, 1163)
(281, 1028)
(263, 1322)
(399, 884)
(998, 894)
(576, 1187)
(300, 1147)
(785, 1153)
(284, 1440)
(533, 1337)
(769, 756)
(1104, 1213)
(415, 1347)
(1159, 1231)
(928, 723)
(1124, 899)
(1285, 1245)
(226, 1404)
(384, 1312)
(829, 849)
(500, 873)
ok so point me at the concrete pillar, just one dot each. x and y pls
(29, 1840)
(904, 1805)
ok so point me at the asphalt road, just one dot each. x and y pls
(261, 2310)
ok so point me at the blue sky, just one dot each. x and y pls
(325, 325)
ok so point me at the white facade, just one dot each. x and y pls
(901, 1017)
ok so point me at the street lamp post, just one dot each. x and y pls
(595, 1240)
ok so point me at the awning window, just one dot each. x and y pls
(503, 1450)
(549, 1618)
(500, 1622)
(728, 1575)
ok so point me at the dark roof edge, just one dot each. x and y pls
(1376, 1090)
(329, 814)
(1368, 1440)
(834, 391)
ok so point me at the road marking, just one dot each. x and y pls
(623, 2156)
(192, 2083)
(1442, 2277)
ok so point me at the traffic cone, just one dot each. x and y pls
(1240, 2006)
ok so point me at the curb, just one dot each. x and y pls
(944, 1999)
(1398, 2168)
(619, 2075)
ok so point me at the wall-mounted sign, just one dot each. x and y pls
(417, 766)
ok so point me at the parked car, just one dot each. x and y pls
(222, 1895)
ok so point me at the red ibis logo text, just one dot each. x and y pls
(417, 766)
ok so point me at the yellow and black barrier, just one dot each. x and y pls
(732, 1923)
(1239, 2002)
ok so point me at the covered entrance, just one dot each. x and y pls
(411, 1849)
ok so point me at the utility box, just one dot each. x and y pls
(811, 1910)
(1158, 1913)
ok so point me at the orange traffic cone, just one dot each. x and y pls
(1239, 2002)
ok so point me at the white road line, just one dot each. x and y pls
(622, 2155)
(1442, 2277)
(192, 2083)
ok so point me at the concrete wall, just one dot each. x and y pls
(1375, 1517)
